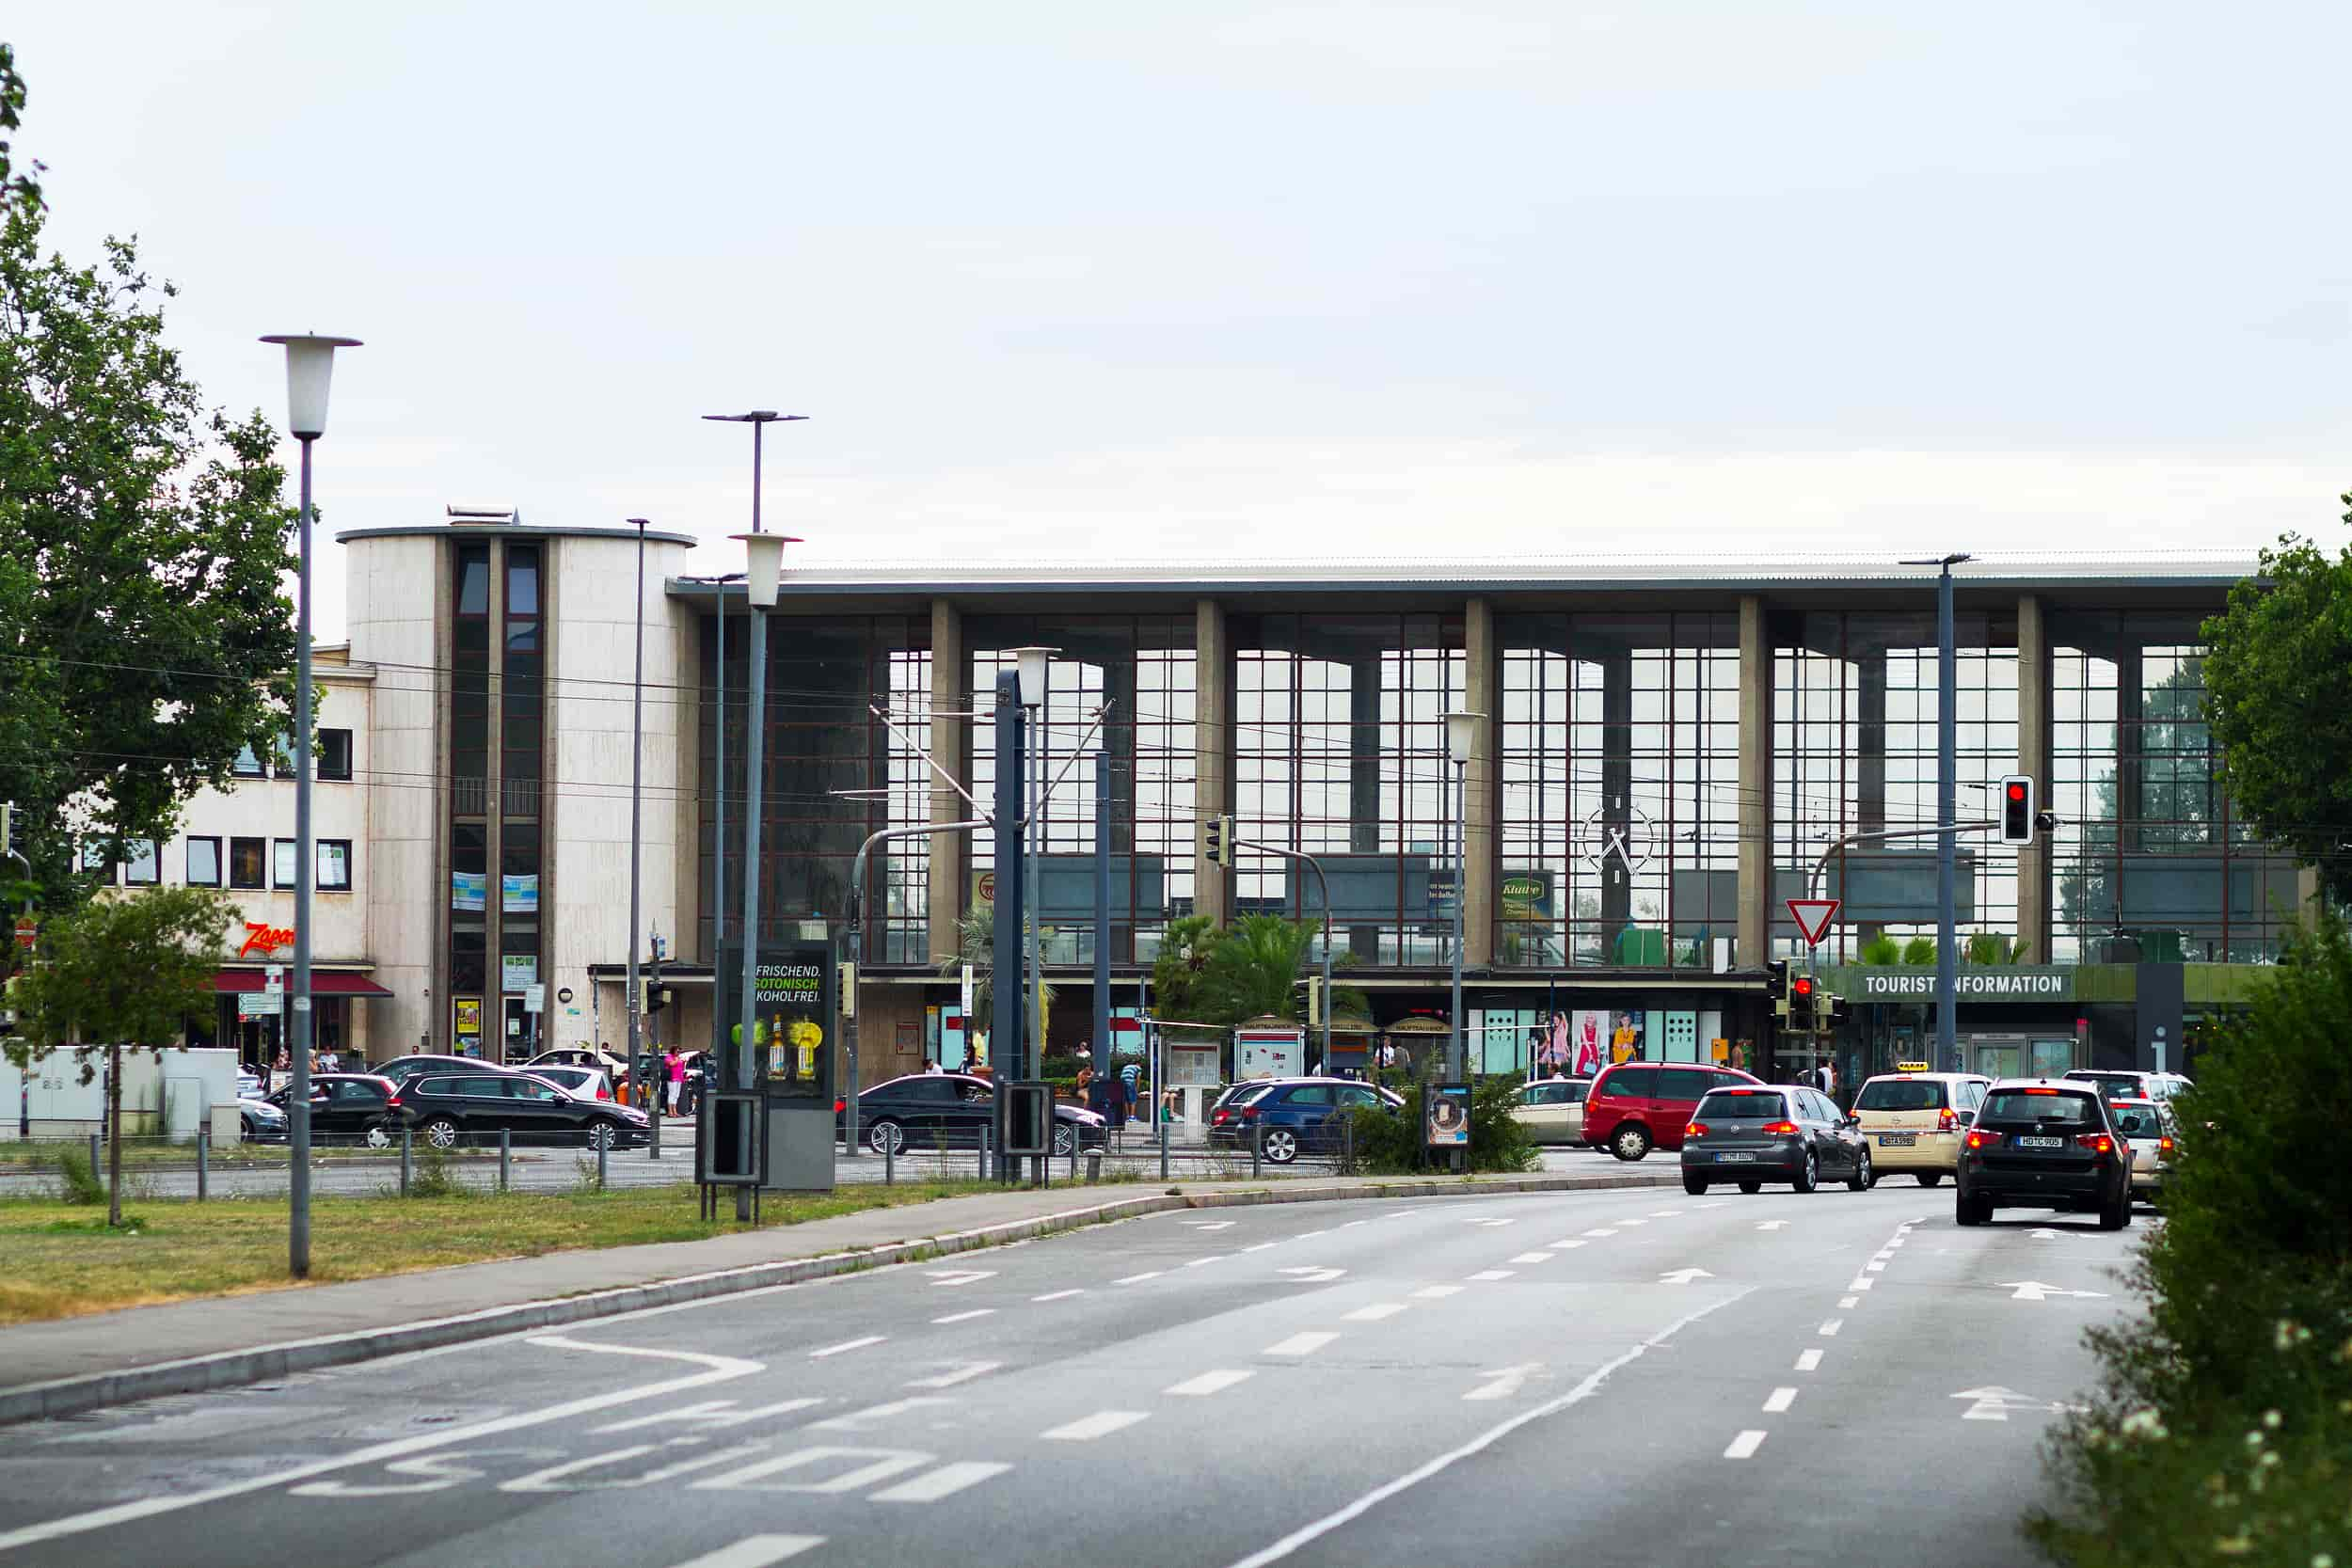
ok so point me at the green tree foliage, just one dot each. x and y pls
(145, 636)
(115, 975)
(976, 945)
(1178, 974)
(2279, 680)
(16, 190)
(1389, 1142)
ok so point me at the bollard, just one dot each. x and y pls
(97, 1171)
(1348, 1147)
(506, 1156)
(406, 1150)
(604, 1151)
(1074, 1141)
(1163, 1151)
(1257, 1147)
(1094, 1167)
(204, 1166)
(983, 1153)
(890, 1162)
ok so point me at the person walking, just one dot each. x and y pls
(673, 1067)
(1118, 1095)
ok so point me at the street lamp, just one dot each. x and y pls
(637, 844)
(1947, 747)
(1032, 664)
(1461, 734)
(310, 371)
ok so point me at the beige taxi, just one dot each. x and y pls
(1913, 1119)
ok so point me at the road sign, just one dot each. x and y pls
(27, 932)
(274, 979)
(260, 1003)
(1813, 916)
(534, 999)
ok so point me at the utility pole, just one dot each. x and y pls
(1946, 750)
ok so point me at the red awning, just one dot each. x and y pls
(324, 982)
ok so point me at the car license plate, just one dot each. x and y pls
(2028, 1141)
(1898, 1140)
(1735, 1158)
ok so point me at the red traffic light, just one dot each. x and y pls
(2017, 790)
(1803, 986)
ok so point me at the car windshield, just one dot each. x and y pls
(2137, 1121)
(1741, 1106)
(1900, 1094)
(2040, 1105)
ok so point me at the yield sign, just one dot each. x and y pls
(1813, 916)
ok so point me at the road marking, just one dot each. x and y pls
(847, 1344)
(859, 1421)
(1209, 1225)
(1861, 1282)
(554, 1477)
(1437, 1293)
(716, 1413)
(1374, 1313)
(1312, 1276)
(881, 1465)
(1101, 1424)
(1874, 1266)
(1562, 1246)
(945, 1481)
(2046, 1235)
(1211, 1382)
(756, 1551)
(958, 1276)
(964, 1372)
(1059, 1295)
(1260, 1247)
(1883, 1253)
(1683, 1277)
(1769, 1225)
(1630, 1220)
(2033, 1290)
(1779, 1401)
(1308, 1235)
(1601, 1230)
(1664, 1214)
(1846, 1304)
(1490, 1221)
(1504, 1384)
(1351, 1224)
(1315, 1529)
(965, 1317)
(1301, 1344)
(1808, 1360)
(1830, 1328)
(1532, 1258)
(1994, 1403)
(1212, 1258)
(1494, 1274)
(1716, 1205)
(1140, 1278)
(1745, 1445)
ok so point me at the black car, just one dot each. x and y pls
(445, 1108)
(1763, 1132)
(401, 1068)
(946, 1110)
(2044, 1144)
(350, 1108)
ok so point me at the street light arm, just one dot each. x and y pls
(1038, 811)
(1323, 885)
(1813, 878)
(953, 783)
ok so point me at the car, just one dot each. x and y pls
(931, 1110)
(2044, 1143)
(1552, 1110)
(1914, 1120)
(1753, 1134)
(586, 1083)
(2154, 1134)
(259, 1121)
(249, 1084)
(401, 1068)
(2120, 1084)
(579, 1055)
(1634, 1107)
(445, 1108)
(1290, 1116)
(350, 1108)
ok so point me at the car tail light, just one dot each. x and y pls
(1696, 1130)
(2098, 1143)
(391, 1102)
(604, 1091)
(1224, 1115)
(1946, 1121)
(1249, 1113)
(1783, 1127)
(1979, 1138)
(839, 1106)
(2164, 1145)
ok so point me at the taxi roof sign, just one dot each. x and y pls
(1910, 1066)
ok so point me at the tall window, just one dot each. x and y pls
(203, 862)
(249, 862)
(334, 754)
(285, 862)
(141, 866)
(334, 869)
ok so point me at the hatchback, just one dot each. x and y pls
(1758, 1133)
(1296, 1115)
(1914, 1120)
(583, 1083)
(1637, 1106)
(445, 1108)
(2044, 1144)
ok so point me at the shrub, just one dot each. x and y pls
(1388, 1141)
(435, 1175)
(77, 1183)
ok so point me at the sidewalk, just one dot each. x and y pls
(72, 1364)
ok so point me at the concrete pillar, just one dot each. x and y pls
(1869, 756)
(2034, 758)
(1212, 759)
(950, 742)
(1755, 784)
(1482, 693)
(1364, 788)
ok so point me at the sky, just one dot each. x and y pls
(1152, 281)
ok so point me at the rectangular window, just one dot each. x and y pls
(143, 866)
(334, 864)
(95, 863)
(248, 763)
(203, 862)
(284, 863)
(334, 755)
(248, 861)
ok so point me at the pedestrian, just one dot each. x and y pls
(934, 1065)
(1095, 1093)
(674, 1066)
(1120, 1096)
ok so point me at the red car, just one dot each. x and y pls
(1637, 1106)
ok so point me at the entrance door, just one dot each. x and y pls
(520, 1035)
(1996, 1057)
(2053, 1058)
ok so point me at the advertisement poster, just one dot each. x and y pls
(1588, 1037)
(1446, 1115)
(519, 895)
(1627, 1031)
(470, 1026)
(1269, 1053)
(468, 890)
(789, 1016)
(518, 970)
(1192, 1067)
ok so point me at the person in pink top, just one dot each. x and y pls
(675, 1064)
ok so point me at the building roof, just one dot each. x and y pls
(511, 531)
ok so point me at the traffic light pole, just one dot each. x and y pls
(857, 952)
(1323, 885)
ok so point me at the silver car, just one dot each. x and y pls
(1552, 1109)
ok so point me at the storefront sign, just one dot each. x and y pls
(262, 938)
(517, 971)
(1526, 895)
(1985, 983)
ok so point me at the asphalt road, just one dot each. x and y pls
(1604, 1378)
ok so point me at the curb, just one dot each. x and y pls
(70, 1395)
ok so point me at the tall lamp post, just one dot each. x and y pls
(1947, 803)
(1033, 664)
(1461, 732)
(636, 840)
(310, 371)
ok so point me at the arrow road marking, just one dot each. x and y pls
(1683, 1277)
(2033, 1290)
(1994, 1403)
(1503, 1385)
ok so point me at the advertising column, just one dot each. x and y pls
(794, 1014)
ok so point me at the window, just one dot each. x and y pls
(1684, 1084)
(334, 754)
(2069, 1110)
(524, 1088)
(144, 867)
(334, 864)
(248, 763)
(1312, 1093)
(203, 862)
(283, 864)
(95, 863)
(1739, 1105)
(1355, 1095)
(247, 862)
(1634, 1082)
(488, 1089)
(1902, 1094)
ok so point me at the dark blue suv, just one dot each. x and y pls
(1300, 1116)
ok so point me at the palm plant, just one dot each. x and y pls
(976, 945)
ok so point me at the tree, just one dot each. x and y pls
(976, 945)
(2279, 683)
(115, 975)
(16, 190)
(1253, 972)
(1177, 974)
(145, 636)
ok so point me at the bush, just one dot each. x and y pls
(1389, 1143)
(78, 1181)
(435, 1175)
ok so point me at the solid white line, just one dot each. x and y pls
(847, 1344)
(1779, 1400)
(1308, 1235)
(1260, 1247)
(1140, 1278)
(1212, 1258)
(756, 1551)
(1057, 1296)
(1101, 1424)
(1532, 1258)
(1745, 1445)
(1830, 1328)
(1437, 1293)
(1308, 1533)
(1493, 1273)
(1355, 1222)
(1846, 1304)
(1374, 1313)
(1301, 1344)
(1211, 1382)
(965, 1317)
(1808, 1360)
(945, 1481)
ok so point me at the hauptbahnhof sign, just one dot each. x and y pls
(1992, 983)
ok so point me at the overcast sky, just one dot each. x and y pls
(1149, 278)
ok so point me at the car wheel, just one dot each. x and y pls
(886, 1137)
(1694, 1185)
(441, 1132)
(1063, 1138)
(1809, 1178)
(1750, 1187)
(1964, 1211)
(1863, 1177)
(1281, 1145)
(2116, 1215)
(378, 1135)
(1630, 1143)
(603, 1134)
(1930, 1177)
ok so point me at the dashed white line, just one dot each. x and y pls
(1712, 1205)
(1808, 1360)
(1630, 1220)
(756, 1551)
(1140, 1278)
(1779, 1400)
(1861, 1282)
(1562, 1246)
(1532, 1258)
(1846, 1304)
(1494, 1274)
(1664, 1214)
(847, 1345)
(1212, 1258)
(1873, 1266)
(1437, 1293)
(1745, 1445)
(964, 1374)
(1211, 1382)
(1374, 1313)
(945, 1481)
(1829, 1329)
(1301, 1344)
(1057, 1296)
(1101, 1424)
(1601, 1230)
(965, 1317)
(1260, 1247)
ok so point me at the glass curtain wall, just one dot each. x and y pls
(469, 792)
(522, 706)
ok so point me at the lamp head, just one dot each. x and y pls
(1032, 663)
(763, 560)
(309, 366)
(1461, 733)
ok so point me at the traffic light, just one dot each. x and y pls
(2017, 810)
(1216, 837)
(846, 978)
(1837, 1011)
(1776, 982)
(656, 997)
(1801, 1000)
(1314, 1000)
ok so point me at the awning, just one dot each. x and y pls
(324, 982)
